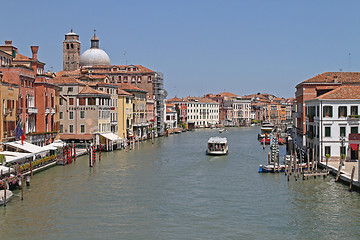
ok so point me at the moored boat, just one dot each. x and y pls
(9, 195)
(217, 146)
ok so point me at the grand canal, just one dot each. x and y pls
(172, 190)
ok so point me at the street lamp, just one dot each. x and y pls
(342, 141)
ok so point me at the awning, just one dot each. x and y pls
(111, 136)
(27, 147)
(354, 146)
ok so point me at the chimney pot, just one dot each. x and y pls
(8, 42)
(34, 50)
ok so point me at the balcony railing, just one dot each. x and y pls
(47, 110)
(32, 110)
(52, 110)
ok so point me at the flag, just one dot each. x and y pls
(19, 132)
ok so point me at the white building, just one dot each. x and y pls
(202, 112)
(330, 119)
(171, 116)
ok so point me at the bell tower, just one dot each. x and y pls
(71, 51)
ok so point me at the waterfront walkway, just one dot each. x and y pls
(345, 175)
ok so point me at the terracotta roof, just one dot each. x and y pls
(66, 80)
(227, 94)
(90, 90)
(199, 99)
(69, 73)
(343, 92)
(335, 77)
(122, 92)
(170, 105)
(20, 57)
(126, 86)
(76, 136)
(174, 99)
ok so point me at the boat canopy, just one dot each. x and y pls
(217, 140)
(11, 157)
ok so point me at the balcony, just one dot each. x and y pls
(47, 110)
(53, 111)
(32, 110)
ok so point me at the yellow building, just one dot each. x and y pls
(9, 96)
(140, 124)
(125, 114)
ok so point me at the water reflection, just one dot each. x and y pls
(172, 190)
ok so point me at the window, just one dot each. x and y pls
(82, 128)
(327, 111)
(61, 128)
(327, 132)
(328, 151)
(70, 89)
(91, 101)
(354, 110)
(342, 131)
(71, 115)
(342, 111)
(71, 101)
(82, 114)
(354, 130)
(61, 115)
(82, 101)
(61, 101)
(71, 128)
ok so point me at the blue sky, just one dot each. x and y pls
(201, 47)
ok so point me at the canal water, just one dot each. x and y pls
(172, 190)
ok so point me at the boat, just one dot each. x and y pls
(271, 169)
(266, 140)
(221, 130)
(266, 130)
(217, 146)
(9, 195)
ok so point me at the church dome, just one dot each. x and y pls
(94, 56)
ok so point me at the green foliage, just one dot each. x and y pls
(327, 155)
(2, 158)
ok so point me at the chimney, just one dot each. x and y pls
(34, 50)
(8, 43)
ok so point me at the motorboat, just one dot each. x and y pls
(221, 130)
(266, 130)
(9, 195)
(217, 146)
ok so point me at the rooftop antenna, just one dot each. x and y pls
(94, 31)
(349, 62)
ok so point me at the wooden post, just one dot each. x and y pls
(74, 151)
(152, 137)
(4, 183)
(308, 161)
(339, 172)
(313, 160)
(352, 178)
(90, 156)
(263, 143)
(22, 187)
(269, 158)
(100, 152)
(295, 170)
(31, 170)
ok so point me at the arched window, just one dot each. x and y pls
(67, 46)
(72, 46)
